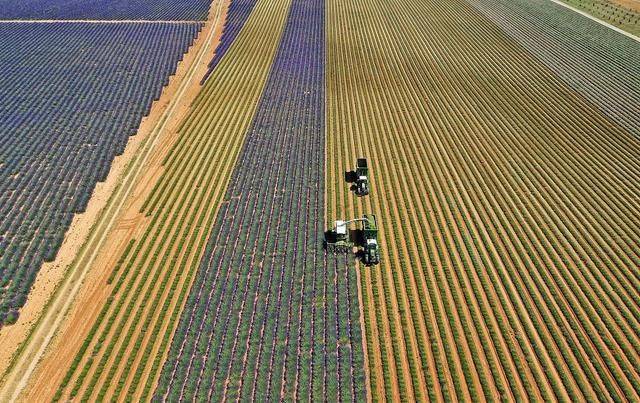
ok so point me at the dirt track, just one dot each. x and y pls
(121, 351)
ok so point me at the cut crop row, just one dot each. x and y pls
(593, 59)
(504, 201)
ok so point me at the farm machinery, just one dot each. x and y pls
(370, 251)
(342, 239)
(362, 179)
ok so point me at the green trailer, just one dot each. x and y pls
(362, 177)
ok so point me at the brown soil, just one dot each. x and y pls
(629, 4)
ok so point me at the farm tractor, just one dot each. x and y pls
(359, 178)
(340, 239)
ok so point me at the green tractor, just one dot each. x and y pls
(371, 251)
(339, 239)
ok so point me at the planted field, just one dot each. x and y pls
(126, 345)
(238, 13)
(507, 203)
(70, 96)
(105, 10)
(624, 14)
(270, 315)
(594, 60)
(503, 140)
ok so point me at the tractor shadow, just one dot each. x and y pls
(329, 237)
(351, 177)
(359, 255)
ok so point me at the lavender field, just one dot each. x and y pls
(105, 10)
(270, 315)
(70, 97)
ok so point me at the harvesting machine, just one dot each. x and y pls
(340, 239)
(371, 253)
(362, 177)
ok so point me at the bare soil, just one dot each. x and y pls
(629, 4)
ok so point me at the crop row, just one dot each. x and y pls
(104, 10)
(125, 353)
(504, 200)
(237, 15)
(71, 95)
(270, 316)
(593, 59)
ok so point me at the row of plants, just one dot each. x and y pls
(592, 59)
(66, 119)
(612, 12)
(172, 244)
(100, 10)
(265, 319)
(489, 170)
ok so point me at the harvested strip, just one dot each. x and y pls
(504, 200)
(239, 11)
(601, 64)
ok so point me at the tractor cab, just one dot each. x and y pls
(370, 250)
(371, 254)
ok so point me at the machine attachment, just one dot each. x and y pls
(340, 240)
